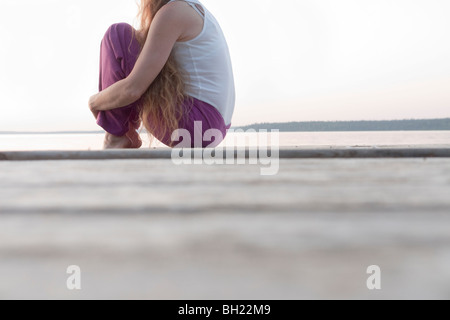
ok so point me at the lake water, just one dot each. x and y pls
(23, 142)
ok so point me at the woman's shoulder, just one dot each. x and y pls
(176, 7)
(182, 14)
(177, 10)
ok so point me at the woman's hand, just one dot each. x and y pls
(92, 106)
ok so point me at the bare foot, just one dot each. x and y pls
(115, 142)
(131, 140)
(134, 138)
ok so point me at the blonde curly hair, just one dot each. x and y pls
(164, 99)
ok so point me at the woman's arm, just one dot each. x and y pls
(167, 27)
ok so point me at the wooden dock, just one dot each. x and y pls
(142, 227)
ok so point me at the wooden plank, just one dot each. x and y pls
(151, 229)
(283, 153)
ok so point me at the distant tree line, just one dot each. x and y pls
(388, 125)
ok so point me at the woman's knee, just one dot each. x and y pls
(119, 30)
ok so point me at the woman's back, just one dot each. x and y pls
(206, 62)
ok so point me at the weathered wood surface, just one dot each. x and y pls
(150, 229)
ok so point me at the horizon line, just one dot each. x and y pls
(233, 127)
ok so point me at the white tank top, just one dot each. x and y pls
(207, 62)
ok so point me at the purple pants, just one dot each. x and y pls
(119, 53)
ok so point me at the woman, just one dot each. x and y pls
(174, 73)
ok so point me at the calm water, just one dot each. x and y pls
(94, 141)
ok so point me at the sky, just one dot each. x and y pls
(294, 60)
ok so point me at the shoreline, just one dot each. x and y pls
(12, 133)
